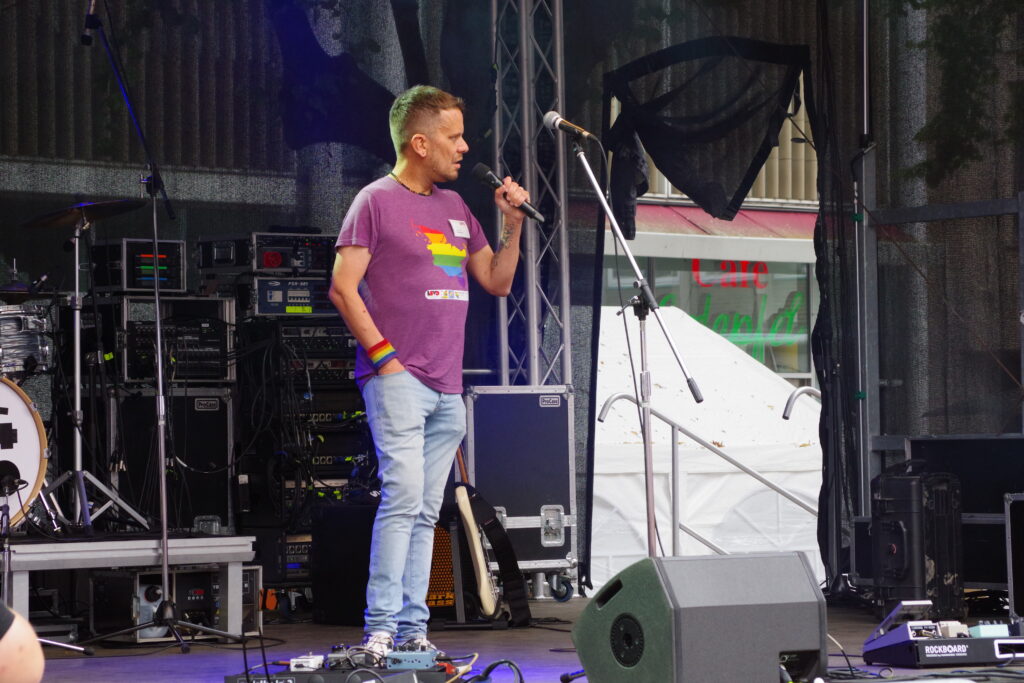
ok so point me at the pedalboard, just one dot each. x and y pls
(905, 639)
(346, 676)
(344, 665)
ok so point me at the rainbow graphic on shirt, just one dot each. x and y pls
(447, 256)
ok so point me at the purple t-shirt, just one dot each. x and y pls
(415, 287)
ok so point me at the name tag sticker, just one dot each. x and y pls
(459, 228)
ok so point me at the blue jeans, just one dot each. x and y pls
(415, 431)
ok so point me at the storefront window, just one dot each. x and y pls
(763, 307)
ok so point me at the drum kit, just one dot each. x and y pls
(26, 349)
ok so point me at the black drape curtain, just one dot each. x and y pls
(708, 112)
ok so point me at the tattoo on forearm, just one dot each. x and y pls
(504, 242)
(506, 235)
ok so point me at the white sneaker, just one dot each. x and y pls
(419, 644)
(374, 649)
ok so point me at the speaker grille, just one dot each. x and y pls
(627, 640)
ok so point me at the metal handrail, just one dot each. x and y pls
(797, 393)
(676, 430)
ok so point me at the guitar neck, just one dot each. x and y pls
(463, 474)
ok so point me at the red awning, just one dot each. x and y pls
(691, 220)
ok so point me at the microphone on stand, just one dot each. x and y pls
(554, 121)
(91, 22)
(10, 480)
(487, 177)
(37, 284)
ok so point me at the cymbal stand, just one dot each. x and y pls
(83, 514)
(166, 612)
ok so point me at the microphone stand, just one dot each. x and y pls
(643, 304)
(166, 613)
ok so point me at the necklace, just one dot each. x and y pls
(399, 181)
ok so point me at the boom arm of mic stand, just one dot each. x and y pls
(157, 185)
(641, 283)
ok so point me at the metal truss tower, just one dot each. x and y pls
(534, 335)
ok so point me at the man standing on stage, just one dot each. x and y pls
(400, 283)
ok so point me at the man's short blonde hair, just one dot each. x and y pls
(412, 110)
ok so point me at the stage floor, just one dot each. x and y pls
(543, 652)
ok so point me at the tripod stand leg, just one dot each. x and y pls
(83, 502)
(172, 627)
(53, 486)
(67, 646)
(115, 499)
(50, 514)
(207, 630)
(123, 632)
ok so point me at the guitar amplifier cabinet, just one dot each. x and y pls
(520, 457)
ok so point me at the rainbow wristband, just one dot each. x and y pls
(381, 352)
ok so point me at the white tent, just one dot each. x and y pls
(741, 414)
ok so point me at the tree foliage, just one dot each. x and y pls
(967, 38)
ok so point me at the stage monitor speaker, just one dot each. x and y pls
(716, 618)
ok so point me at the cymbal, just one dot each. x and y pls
(92, 211)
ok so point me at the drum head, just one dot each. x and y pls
(22, 449)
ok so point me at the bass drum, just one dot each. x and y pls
(23, 449)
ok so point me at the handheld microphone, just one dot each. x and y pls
(487, 177)
(90, 23)
(554, 121)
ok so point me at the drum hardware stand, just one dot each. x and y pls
(166, 612)
(50, 514)
(78, 475)
(643, 304)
